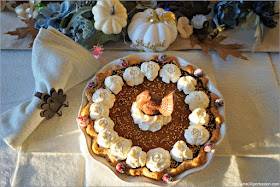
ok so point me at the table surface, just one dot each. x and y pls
(17, 85)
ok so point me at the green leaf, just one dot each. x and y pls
(99, 38)
(75, 17)
(259, 35)
(88, 29)
(65, 20)
(252, 20)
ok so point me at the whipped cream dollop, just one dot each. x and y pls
(150, 70)
(107, 137)
(170, 72)
(196, 135)
(105, 97)
(114, 83)
(98, 110)
(133, 76)
(158, 159)
(197, 99)
(103, 123)
(136, 157)
(120, 148)
(187, 84)
(181, 152)
(199, 117)
(146, 122)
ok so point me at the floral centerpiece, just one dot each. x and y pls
(91, 23)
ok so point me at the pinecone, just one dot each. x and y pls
(81, 3)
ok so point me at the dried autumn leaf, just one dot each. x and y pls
(219, 38)
(23, 32)
(223, 49)
(194, 40)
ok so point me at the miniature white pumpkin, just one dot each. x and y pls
(109, 16)
(153, 30)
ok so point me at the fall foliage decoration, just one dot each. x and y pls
(223, 49)
(23, 32)
(51, 103)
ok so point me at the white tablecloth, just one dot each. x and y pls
(248, 154)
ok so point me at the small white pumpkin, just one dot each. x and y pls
(184, 27)
(109, 16)
(153, 30)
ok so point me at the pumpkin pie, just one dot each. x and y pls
(152, 118)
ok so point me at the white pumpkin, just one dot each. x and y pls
(150, 33)
(109, 16)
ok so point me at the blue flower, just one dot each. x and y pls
(265, 9)
(53, 14)
(227, 13)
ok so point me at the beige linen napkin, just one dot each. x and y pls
(57, 62)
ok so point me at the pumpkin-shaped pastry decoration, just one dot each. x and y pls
(109, 16)
(153, 30)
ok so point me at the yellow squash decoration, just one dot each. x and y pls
(109, 16)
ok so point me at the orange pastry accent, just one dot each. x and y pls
(218, 118)
(167, 105)
(204, 81)
(152, 104)
(201, 159)
(145, 172)
(85, 111)
(90, 130)
(188, 68)
(103, 152)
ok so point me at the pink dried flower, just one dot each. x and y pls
(133, 46)
(97, 50)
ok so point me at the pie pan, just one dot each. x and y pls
(137, 180)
